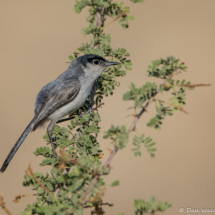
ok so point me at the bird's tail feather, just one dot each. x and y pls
(17, 145)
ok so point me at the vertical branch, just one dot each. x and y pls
(99, 17)
(98, 24)
(92, 96)
(95, 179)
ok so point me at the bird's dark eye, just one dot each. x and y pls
(96, 62)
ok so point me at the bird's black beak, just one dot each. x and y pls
(111, 63)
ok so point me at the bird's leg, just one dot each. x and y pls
(92, 95)
(49, 130)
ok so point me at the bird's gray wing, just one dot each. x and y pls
(57, 100)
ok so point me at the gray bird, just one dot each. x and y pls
(63, 96)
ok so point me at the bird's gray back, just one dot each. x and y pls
(65, 80)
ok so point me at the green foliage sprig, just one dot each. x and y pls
(148, 143)
(149, 207)
(145, 95)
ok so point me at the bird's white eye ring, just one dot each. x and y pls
(96, 62)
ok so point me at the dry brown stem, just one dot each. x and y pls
(117, 17)
(70, 160)
(2, 205)
(188, 85)
(179, 108)
(18, 198)
(29, 171)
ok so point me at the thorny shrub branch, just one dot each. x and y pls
(132, 128)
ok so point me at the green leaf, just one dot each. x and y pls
(138, 153)
(46, 136)
(115, 183)
(183, 81)
(132, 18)
(151, 144)
(124, 25)
(71, 57)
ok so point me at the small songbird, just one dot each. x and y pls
(63, 96)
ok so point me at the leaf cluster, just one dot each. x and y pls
(138, 140)
(152, 206)
(163, 68)
(81, 158)
(141, 94)
(118, 135)
(107, 9)
(144, 95)
(162, 111)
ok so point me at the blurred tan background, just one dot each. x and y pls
(36, 38)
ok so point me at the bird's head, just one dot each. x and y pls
(94, 64)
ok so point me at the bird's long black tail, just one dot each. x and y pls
(17, 145)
